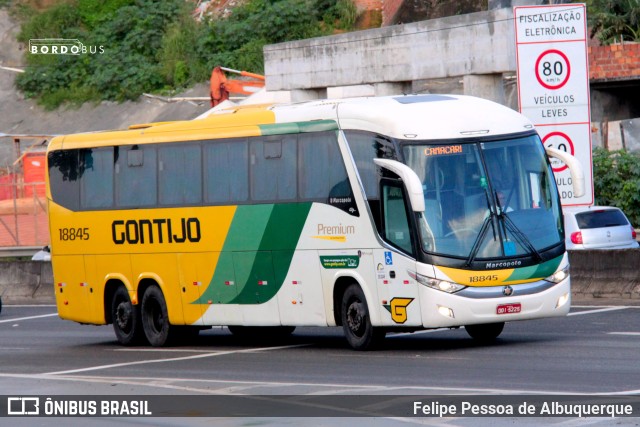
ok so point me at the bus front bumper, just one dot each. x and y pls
(492, 305)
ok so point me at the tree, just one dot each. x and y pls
(614, 20)
(616, 181)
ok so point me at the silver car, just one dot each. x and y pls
(598, 227)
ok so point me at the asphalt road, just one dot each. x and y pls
(595, 350)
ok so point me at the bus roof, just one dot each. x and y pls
(421, 117)
(414, 117)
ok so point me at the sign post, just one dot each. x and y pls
(553, 86)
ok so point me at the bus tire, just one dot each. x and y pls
(155, 317)
(356, 322)
(485, 333)
(126, 318)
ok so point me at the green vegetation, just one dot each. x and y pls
(137, 46)
(616, 181)
(614, 20)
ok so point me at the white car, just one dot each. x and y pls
(42, 255)
(598, 227)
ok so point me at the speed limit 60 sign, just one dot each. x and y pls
(553, 85)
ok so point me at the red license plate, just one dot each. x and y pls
(509, 308)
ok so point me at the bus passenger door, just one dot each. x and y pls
(398, 291)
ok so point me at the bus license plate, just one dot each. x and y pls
(509, 308)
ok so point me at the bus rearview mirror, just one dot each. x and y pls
(577, 173)
(411, 181)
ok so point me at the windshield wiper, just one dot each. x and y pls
(476, 245)
(519, 235)
(483, 230)
(507, 223)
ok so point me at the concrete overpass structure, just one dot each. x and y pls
(472, 54)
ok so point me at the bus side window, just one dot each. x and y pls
(321, 172)
(179, 175)
(396, 228)
(364, 147)
(134, 173)
(273, 174)
(226, 171)
(96, 183)
(64, 176)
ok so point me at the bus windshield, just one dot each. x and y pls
(486, 200)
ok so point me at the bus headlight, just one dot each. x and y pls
(441, 285)
(559, 275)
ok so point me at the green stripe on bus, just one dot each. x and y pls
(543, 270)
(248, 227)
(298, 127)
(273, 259)
(257, 254)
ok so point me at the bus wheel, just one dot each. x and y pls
(126, 318)
(356, 322)
(485, 333)
(155, 318)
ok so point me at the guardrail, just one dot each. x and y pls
(610, 274)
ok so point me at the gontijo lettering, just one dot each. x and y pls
(159, 230)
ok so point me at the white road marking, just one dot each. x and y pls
(162, 350)
(426, 331)
(174, 359)
(173, 384)
(17, 319)
(625, 333)
(28, 305)
(599, 310)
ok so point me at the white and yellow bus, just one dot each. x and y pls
(374, 214)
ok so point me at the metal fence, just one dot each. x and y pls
(23, 207)
(23, 213)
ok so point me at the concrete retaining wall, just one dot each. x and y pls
(611, 274)
(26, 282)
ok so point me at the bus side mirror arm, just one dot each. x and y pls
(577, 173)
(411, 181)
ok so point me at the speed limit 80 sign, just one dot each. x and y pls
(553, 69)
(553, 85)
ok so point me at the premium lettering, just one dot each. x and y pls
(336, 229)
